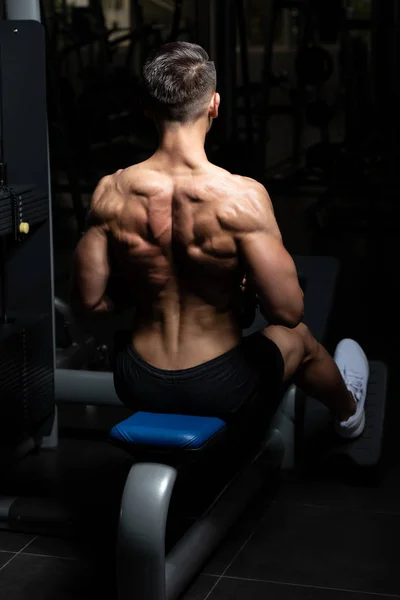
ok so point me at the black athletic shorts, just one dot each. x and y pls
(225, 387)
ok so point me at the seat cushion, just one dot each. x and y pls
(166, 431)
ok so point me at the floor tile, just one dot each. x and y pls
(325, 547)
(239, 534)
(200, 588)
(328, 490)
(80, 472)
(234, 589)
(30, 577)
(4, 558)
(14, 542)
(56, 547)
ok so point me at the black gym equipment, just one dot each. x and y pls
(363, 167)
(75, 349)
(26, 329)
(315, 65)
(222, 30)
(240, 134)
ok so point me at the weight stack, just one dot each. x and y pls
(27, 349)
(26, 382)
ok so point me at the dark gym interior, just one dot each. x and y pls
(310, 93)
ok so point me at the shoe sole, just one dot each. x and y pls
(349, 434)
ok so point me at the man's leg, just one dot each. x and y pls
(312, 369)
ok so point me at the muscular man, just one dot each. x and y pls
(178, 234)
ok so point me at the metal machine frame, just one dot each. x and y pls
(23, 10)
(144, 572)
(143, 569)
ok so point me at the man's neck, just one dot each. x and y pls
(182, 144)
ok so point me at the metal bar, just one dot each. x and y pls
(85, 387)
(6, 503)
(266, 83)
(176, 24)
(136, 14)
(3, 292)
(3, 245)
(385, 69)
(189, 555)
(141, 533)
(50, 442)
(205, 19)
(226, 66)
(164, 5)
(63, 309)
(305, 36)
(23, 10)
(244, 56)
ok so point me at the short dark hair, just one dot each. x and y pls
(179, 80)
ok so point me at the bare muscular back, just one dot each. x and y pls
(177, 260)
(174, 241)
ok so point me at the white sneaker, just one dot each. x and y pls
(354, 367)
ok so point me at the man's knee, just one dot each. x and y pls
(310, 344)
(298, 341)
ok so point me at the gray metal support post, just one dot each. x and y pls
(85, 387)
(192, 551)
(23, 10)
(205, 19)
(143, 570)
(227, 65)
(269, 27)
(141, 533)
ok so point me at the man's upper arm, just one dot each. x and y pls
(269, 265)
(91, 267)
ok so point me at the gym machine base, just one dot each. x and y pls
(165, 445)
(142, 567)
(297, 423)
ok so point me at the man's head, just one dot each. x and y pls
(180, 84)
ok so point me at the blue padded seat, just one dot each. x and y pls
(169, 431)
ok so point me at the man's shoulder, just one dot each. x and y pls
(105, 199)
(245, 189)
(246, 206)
(114, 188)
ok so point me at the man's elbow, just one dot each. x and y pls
(293, 321)
(289, 317)
(85, 310)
